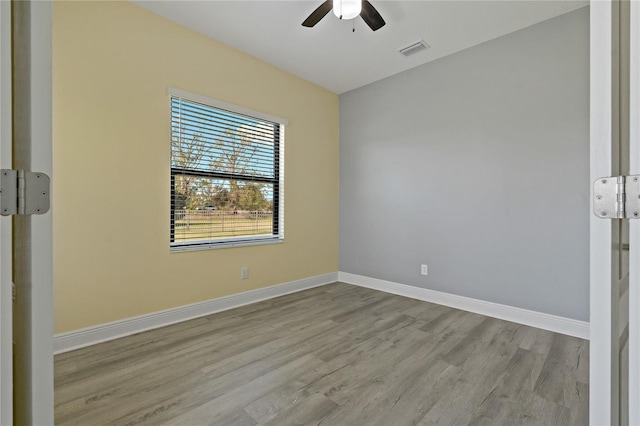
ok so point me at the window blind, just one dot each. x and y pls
(226, 176)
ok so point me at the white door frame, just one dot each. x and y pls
(634, 240)
(604, 319)
(37, 406)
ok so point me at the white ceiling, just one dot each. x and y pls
(331, 55)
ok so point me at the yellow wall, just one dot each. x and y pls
(112, 64)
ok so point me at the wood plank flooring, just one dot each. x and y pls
(332, 355)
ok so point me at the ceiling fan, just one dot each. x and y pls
(347, 9)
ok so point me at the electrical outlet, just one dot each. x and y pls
(424, 270)
(244, 273)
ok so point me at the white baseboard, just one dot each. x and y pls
(76, 339)
(541, 320)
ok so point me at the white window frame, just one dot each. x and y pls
(244, 241)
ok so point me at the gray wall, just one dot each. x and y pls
(478, 165)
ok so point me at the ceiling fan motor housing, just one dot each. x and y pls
(347, 9)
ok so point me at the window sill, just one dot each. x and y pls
(184, 247)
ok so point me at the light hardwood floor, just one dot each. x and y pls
(332, 355)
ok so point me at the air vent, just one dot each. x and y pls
(413, 48)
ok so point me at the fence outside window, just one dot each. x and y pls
(211, 225)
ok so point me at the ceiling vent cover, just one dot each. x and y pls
(415, 47)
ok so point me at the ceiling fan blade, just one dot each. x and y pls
(318, 14)
(371, 16)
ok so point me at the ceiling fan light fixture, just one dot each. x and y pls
(347, 9)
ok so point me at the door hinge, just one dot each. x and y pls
(23, 192)
(617, 197)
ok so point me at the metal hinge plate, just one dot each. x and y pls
(23, 192)
(617, 197)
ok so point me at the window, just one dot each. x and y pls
(226, 174)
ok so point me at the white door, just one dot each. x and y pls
(6, 377)
(615, 255)
(26, 320)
